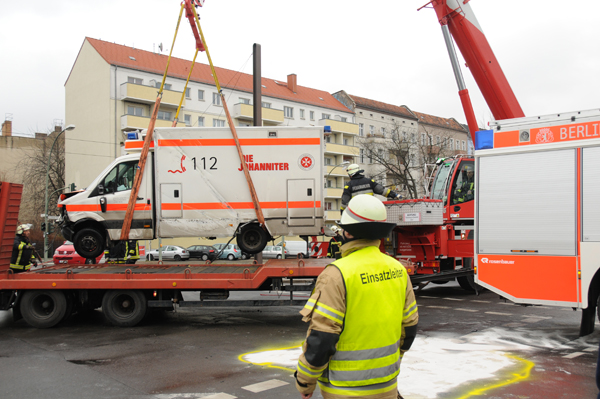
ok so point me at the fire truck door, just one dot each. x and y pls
(301, 202)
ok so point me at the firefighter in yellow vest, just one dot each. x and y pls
(362, 313)
(132, 252)
(22, 257)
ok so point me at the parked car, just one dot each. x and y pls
(169, 252)
(295, 247)
(230, 251)
(204, 252)
(273, 251)
(66, 254)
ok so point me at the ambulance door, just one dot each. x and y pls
(171, 201)
(301, 202)
(112, 196)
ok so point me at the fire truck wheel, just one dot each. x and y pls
(43, 308)
(467, 283)
(252, 238)
(124, 308)
(88, 243)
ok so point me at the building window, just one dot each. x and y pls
(437, 140)
(188, 93)
(244, 100)
(200, 95)
(361, 129)
(135, 81)
(371, 129)
(325, 116)
(312, 115)
(370, 157)
(216, 99)
(346, 142)
(137, 111)
(166, 87)
(464, 145)
(413, 139)
(164, 115)
(329, 183)
(361, 157)
(200, 121)
(450, 144)
(328, 139)
(301, 114)
(423, 139)
(188, 120)
(288, 112)
(266, 105)
(327, 161)
(343, 119)
(218, 123)
(328, 206)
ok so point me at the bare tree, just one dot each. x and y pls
(401, 157)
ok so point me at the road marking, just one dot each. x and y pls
(466, 310)
(573, 355)
(536, 316)
(499, 313)
(263, 386)
(453, 299)
(480, 301)
(428, 297)
(531, 320)
(436, 307)
(220, 396)
(505, 303)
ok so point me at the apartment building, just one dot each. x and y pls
(112, 88)
(414, 137)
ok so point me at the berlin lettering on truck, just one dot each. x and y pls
(263, 166)
(574, 132)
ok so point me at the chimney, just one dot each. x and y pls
(7, 128)
(292, 82)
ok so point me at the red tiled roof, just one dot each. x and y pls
(448, 123)
(116, 54)
(382, 107)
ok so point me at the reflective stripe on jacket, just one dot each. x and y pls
(368, 353)
(21, 256)
(132, 250)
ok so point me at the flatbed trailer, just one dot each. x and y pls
(46, 296)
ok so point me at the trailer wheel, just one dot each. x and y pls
(252, 238)
(124, 308)
(88, 243)
(43, 308)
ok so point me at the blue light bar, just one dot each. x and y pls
(327, 129)
(484, 140)
(132, 136)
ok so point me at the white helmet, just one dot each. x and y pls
(23, 228)
(335, 229)
(365, 217)
(354, 169)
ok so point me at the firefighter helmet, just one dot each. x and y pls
(354, 169)
(365, 217)
(335, 229)
(23, 228)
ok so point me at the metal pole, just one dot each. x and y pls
(256, 79)
(70, 127)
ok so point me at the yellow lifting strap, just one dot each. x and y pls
(145, 149)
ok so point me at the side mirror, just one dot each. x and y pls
(101, 189)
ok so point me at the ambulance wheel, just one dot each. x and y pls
(252, 238)
(88, 243)
(124, 308)
(43, 308)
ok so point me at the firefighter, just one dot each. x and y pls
(117, 253)
(132, 251)
(334, 250)
(359, 184)
(362, 313)
(466, 190)
(22, 257)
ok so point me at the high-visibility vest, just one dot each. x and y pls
(21, 259)
(132, 251)
(367, 360)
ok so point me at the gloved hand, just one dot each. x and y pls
(399, 196)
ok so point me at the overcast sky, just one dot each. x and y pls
(382, 50)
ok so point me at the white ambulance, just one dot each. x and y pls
(194, 186)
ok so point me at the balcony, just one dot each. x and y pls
(339, 126)
(341, 149)
(333, 192)
(147, 95)
(270, 116)
(132, 122)
(333, 215)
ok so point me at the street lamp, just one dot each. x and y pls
(335, 166)
(70, 127)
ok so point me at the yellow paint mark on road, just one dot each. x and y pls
(523, 374)
(269, 364)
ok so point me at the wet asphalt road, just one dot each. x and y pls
(199, 353)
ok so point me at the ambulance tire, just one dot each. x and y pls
(124, 308)
(43, 308)
(252, 238)
(88, 243)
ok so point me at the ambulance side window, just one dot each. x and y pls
(120, 178)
